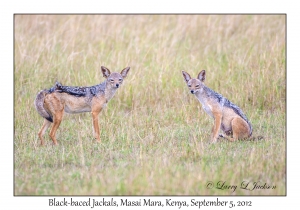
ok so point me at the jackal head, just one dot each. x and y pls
(114, 79)
(194, 85)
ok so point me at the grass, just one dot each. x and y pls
(155, 135)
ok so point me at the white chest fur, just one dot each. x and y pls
(207, 108)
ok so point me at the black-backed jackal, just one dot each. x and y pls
(227, 116)
(52, 103)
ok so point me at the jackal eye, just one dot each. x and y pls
(197, 86)
(189, 86)
(111, 80)
(120, 80)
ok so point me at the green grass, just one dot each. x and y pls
(155, 135)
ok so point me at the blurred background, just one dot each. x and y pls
(153, 129)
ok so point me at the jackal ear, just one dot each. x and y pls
(125, 71)
(105, 71)
(201, 76)
(186, 76)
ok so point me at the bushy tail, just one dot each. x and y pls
(250, 128)
(39, 105)
(255, 138)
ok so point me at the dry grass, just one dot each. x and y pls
(155, 134)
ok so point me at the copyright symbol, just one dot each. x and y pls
(209, 185)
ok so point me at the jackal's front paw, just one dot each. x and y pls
(213, 141)
(98, 140)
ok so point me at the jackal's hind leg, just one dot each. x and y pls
(57, 118)
(229, 138)
(239, 129)
(43, 129)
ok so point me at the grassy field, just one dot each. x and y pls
(155, 135)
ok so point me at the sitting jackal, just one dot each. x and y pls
(227, 116)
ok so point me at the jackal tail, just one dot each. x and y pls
(39, 105)
(251, 138)
(255, 138)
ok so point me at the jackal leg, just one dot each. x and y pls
(228, 138)
(240, 129)
(43, 129)
(216, 128)
(96, 130)
(57, 118)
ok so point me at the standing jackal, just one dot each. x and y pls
(227, 116)
(52, 103)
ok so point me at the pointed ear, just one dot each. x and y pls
(58, 84)
(201, 76)
(105, 71)
(125, 71)
(186, 76)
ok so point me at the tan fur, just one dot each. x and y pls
(227, 116)
(54, 104)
